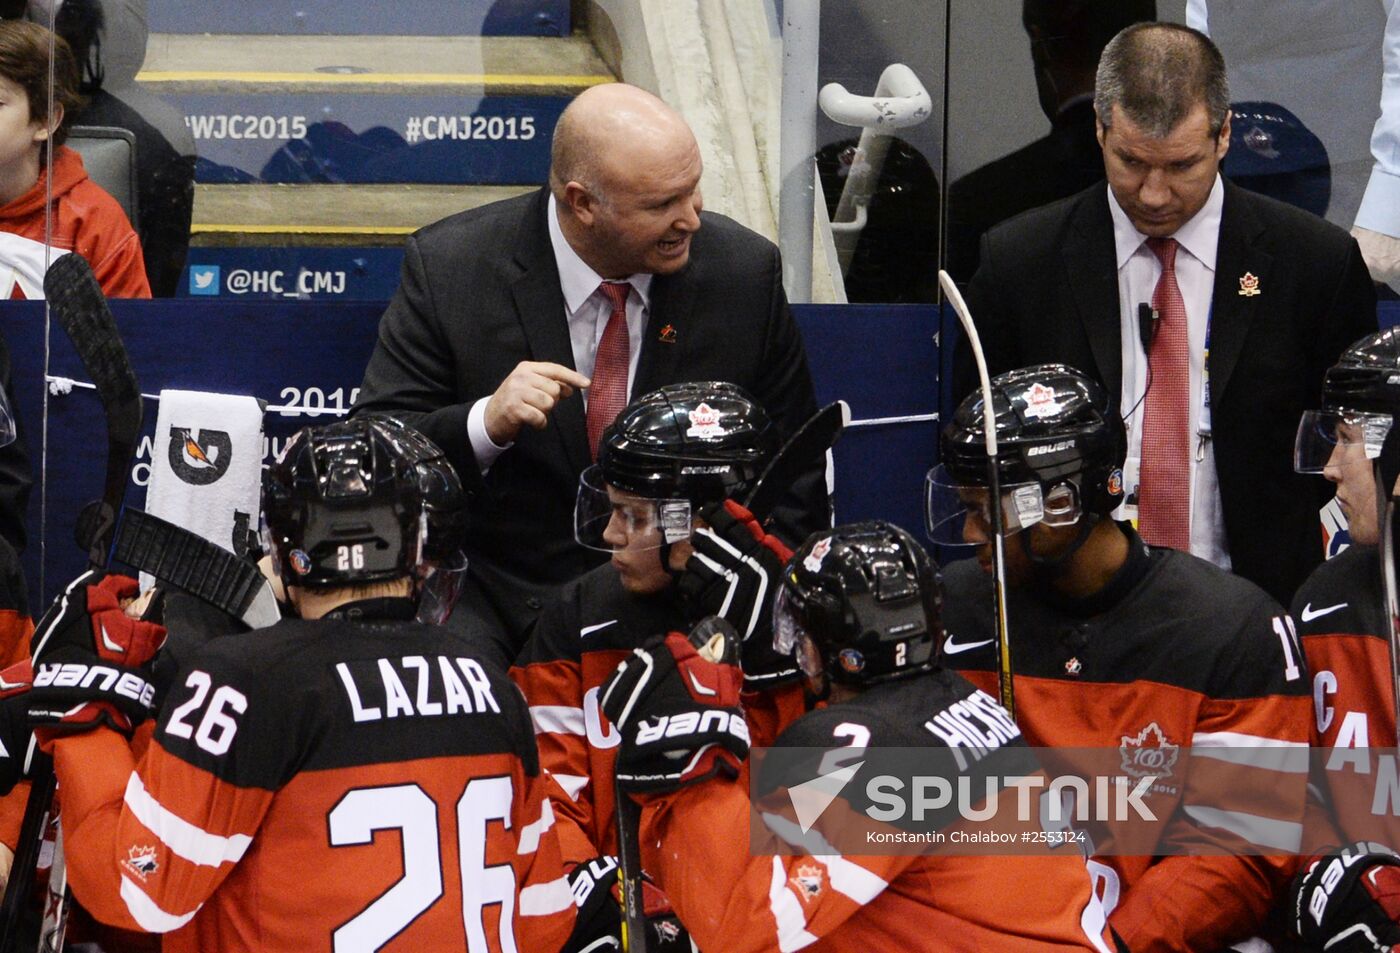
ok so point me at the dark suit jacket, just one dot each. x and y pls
(1047, 290)
(480, 292)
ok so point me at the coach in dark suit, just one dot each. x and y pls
(1271, 295)
(495, 343)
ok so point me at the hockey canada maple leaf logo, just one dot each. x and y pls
(705, 423)
(808, 881)
(141, 861)
(1040, 401)
(813, 560)
(1150, 754)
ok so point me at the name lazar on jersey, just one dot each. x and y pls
(440, 686)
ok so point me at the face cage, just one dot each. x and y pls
(644, 523)
(1322, 432)
(439, 588)
(949, 504)
(791, 638)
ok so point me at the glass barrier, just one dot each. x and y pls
(282, 151)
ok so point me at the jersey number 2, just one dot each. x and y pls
(408, 809)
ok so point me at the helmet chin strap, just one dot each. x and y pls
(813, 699)
(1049, 567)
(665, 553)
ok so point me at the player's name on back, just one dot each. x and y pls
(976, 723)
(379, 688)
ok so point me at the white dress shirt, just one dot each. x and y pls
(1380, 207)
(1138, 271)
(587, 311)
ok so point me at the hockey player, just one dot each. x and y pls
(349, 779)
(1341, 616)
(1141, 652)
(670, 456)
(858, 611)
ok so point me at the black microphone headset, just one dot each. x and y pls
(1148, 319)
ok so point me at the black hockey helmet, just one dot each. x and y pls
(359, 501)
(867, 597)
(681, 446)
(1360, 400)
(1060, 450)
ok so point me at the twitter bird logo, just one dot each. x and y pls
(204, 279)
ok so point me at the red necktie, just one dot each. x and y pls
(1164, 483)
(607, 393)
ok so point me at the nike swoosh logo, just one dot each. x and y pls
(700, 689)
(1308, 613)
(6, 686)
(586, 630)
(953, 648)
(108, 644)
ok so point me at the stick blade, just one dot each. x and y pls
(812, 440)
(78, 305)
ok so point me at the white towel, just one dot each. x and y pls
(206, 467)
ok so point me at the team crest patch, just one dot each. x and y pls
(1115, 482)
(141, 861)
(1040, 401)
(705, 423)
(813, 560)
(808, 881)
(1150, 754)
(300, 562)
(667, 931)
(851, 660)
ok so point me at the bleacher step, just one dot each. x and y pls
(359, 215)
(216, 63)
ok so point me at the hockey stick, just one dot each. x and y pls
(810, 443)
(76, 301)
(1390, 591)
(188, 561)
(989, 419)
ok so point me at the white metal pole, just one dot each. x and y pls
(797, 145)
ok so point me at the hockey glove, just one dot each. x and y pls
(599, 921)
(679, 716)
(1349, 901)
(735, 572)
(88, 660)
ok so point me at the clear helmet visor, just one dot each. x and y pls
(440, 587)
(950, 506)
(1336, 438)
(7, 421)
(790, 637)
(608, 519)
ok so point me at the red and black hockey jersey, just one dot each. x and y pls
(336, 784)
(1174, 657)
(788, 891)
(576, 645)
(1339, 611)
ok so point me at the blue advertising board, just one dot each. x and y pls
(312, 355)
(457, 138)
(412, 18)
(295, 273)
